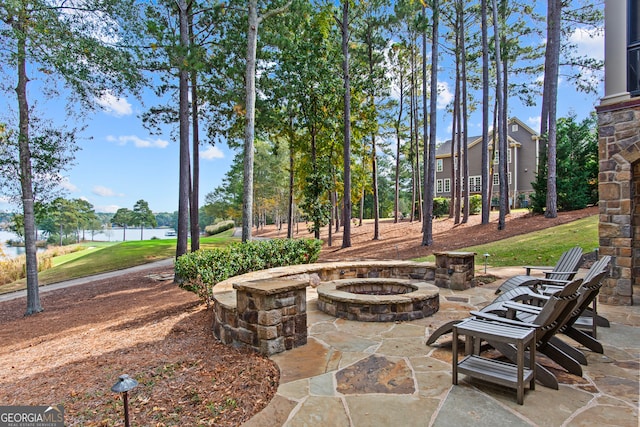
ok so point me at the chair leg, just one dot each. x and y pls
(575, 354)
(584, 339)
(562, 359)
(444, 329)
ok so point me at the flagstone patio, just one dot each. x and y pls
(382, 374)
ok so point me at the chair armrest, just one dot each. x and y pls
(550, 290)
(560, 272)
(556, 282)
(536, 267)
(493, 317)
(526, 308)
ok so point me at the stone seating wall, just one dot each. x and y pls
(274, 323)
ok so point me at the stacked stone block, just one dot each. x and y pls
(270, 316)
(618, 187)
(455, 270)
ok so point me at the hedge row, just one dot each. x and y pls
(199, 271)
(219, 227)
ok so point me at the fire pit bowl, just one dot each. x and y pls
(378, 299)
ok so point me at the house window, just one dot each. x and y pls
(514, 128)
(439, 166)
(475, 184)
(447, 185)
(439, 186)
(633, 48)
(496, 159)
(496, 178)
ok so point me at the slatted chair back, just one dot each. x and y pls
(588, 293)
(567, 265)
(598, 267)
(557, 308)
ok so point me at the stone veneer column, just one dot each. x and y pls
(272, 314)
(619, 152)
(455, 270)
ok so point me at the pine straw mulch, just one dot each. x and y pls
(88, 335)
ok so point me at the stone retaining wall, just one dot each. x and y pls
(236, 322)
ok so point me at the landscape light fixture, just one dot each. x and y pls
(485, 263)
(124, 384)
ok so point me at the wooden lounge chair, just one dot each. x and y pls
(565, 269)
(589, 319)
(546, 322)
(571, 325)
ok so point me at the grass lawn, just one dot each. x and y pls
(542, 247)
(101, 257)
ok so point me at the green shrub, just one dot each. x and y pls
(199, 271)
(54, 239)
(440, 207)
(219, 227)
(475, 204)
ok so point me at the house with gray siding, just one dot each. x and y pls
(522, 163)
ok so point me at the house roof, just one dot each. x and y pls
(444, 149)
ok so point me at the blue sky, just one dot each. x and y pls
(122, 162)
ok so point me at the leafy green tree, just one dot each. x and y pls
(123, 218)
(86, 215)
(79, 43)
(577, 186)
(142, 216)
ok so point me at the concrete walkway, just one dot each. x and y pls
(382, 374)
(83, 280)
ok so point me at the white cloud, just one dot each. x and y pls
(444, 95)
(101, 191)
(589, 42)
(114, 105)
(534, 123)
(68, 185)
(212, 153)
(107, 208)
(138, 142)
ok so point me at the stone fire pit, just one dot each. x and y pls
(378, 299)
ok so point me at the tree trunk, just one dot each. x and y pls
(346, 217)
(291, 183)
(417, 154)
(428, 172)
(486, 195)
(412, 133)
(505, 119)
(465, 145)
(427, 237)
(552, 58)
(33, 292)
(396, 203)
(184, 177)
(376, 201)
(332, 200)
(501, 137)
(195, 168)
(249, 130)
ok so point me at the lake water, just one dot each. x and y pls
(112, 235)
